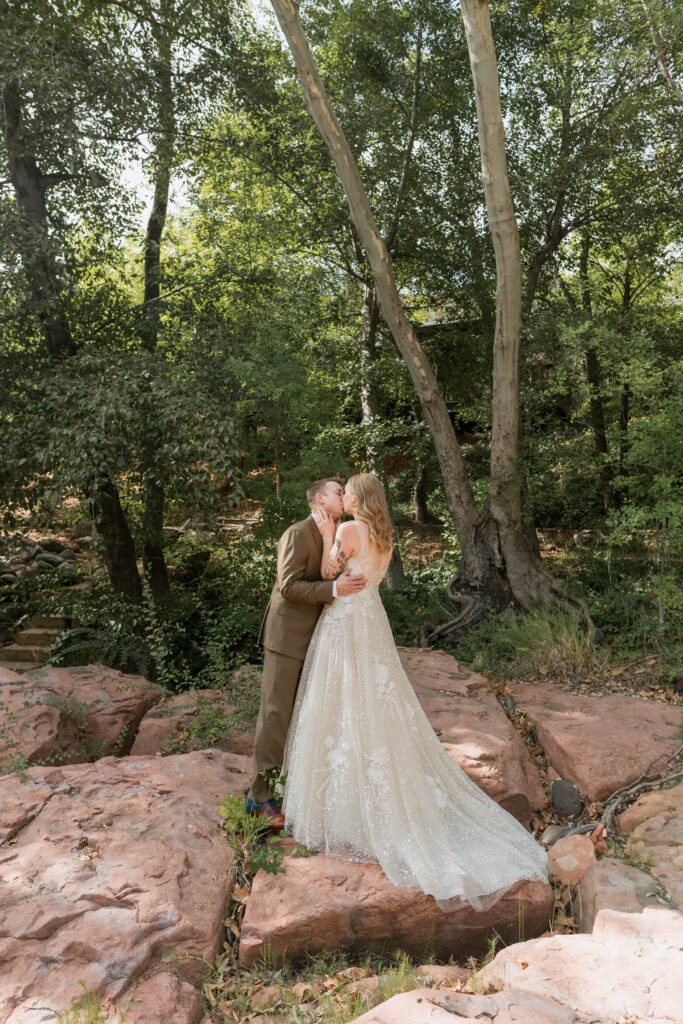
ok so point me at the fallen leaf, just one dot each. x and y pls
(301, 990)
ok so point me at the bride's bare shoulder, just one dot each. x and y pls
(349, 534)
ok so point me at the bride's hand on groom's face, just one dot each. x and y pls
(325, 523)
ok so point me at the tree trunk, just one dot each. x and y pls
(594, 377)
(117, 540)
(555, 230)
(530, 581)
(153, 560)
(34, 242)
(37, 253)
(395, 576)
(486, 574)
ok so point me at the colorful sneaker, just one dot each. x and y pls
(269, 811)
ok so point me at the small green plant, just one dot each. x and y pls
(88, 1010)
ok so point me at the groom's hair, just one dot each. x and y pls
(318, 486)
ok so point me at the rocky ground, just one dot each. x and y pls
(117, 880)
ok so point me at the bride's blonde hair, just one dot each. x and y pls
(372, 509)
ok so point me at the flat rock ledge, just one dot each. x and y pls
(114, 874)
(628, 969)
(598, 743)
(475, 731)
(323, 903)
(427, 1006)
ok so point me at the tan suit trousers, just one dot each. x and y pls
(280, 680)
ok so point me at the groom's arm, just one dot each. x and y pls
(292, 557)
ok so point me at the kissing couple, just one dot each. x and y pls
(366, 777)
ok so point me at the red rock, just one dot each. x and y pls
(105, 704)
(628, 968)
(119, 877)
(322, 903)
(369, 985)
(427, 1006)
(611, 885)
(162, 996)
(475, 730)
(33, 728)
(442, 974)
(656, 823)
(176, 713)
(598, 743)
(571, 857)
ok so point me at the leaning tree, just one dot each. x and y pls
(498, 562)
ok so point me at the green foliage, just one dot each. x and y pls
(546, 643)
(87, 1010)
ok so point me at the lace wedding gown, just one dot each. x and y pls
(368, 779)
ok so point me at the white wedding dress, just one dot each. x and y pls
(368, 780)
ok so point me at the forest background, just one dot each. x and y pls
(206, 367)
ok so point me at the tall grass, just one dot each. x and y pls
(552, 642)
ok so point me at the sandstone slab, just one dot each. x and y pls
(656, 823)
(34, 727)
(610, 884)
(571, 857)
(629, 967)
(598, 743)
(425, 1006)
(115, 874)
(187, 719)
(106, 705)
(323, 903)
(475, 731)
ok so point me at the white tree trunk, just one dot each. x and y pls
(505, 486)
(457, 487)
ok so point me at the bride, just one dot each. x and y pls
(366, 776)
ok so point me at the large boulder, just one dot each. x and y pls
(114, 874)
(323, 903)
(598, 743)
(610, 884)
(629, 968)
(475, 731)
(34, 727)
(655, 822)
(105, 705)
(425, 1006)
(187, 719)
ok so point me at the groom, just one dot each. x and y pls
(295, 604)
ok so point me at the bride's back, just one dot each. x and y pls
(368, 550)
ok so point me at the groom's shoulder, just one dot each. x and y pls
(303, 527)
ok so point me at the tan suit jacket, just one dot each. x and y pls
(299, 592)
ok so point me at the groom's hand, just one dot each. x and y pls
(350, 583)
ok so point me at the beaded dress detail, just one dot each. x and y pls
(368, 779)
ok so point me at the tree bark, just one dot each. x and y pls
(484, 578)
(37, 254)
(530, 581)
(119, 547)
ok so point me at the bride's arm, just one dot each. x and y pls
(337, 547)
